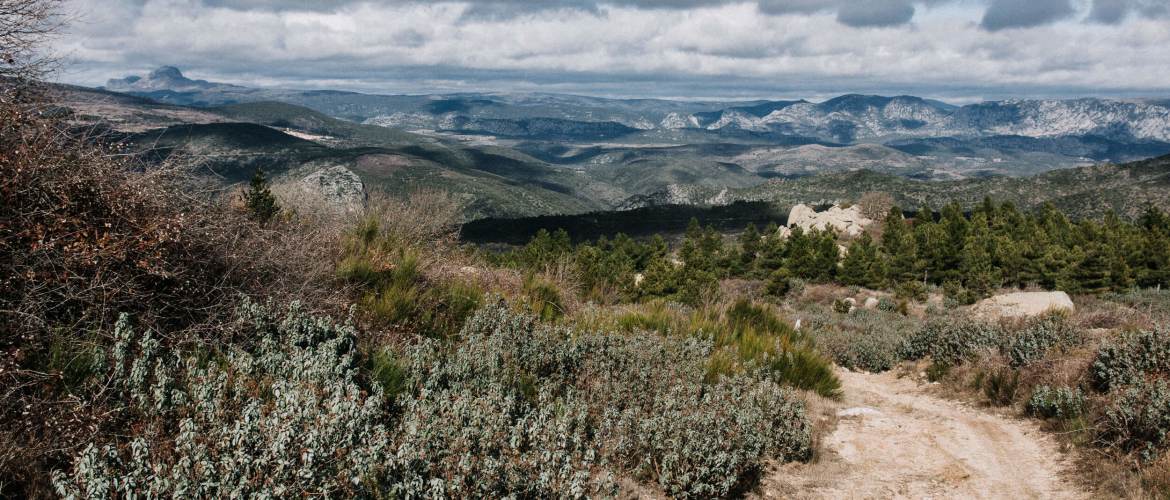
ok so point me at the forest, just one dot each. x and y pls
(968, 255)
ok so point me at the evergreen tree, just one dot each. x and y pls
(659, 246)
(750, 241)
(981, 279)
(900, 248)
(826, 256)
(1090, 273)
(694, 230)
(801, 256)
(259, 199)
(1120, 277)
(859, 260)
(946, 253)
(772, 251)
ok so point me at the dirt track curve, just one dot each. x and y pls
(921, 446)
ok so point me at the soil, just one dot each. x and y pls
(918, 445)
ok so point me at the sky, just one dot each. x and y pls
(959, 51)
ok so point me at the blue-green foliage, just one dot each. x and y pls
(1139, 416)
(951, 343)
(1063, 403)
(1132, 357)
(517, 409)
(651, 415)
(1134, 369)
(285, 419)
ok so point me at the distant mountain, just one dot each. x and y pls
(1086, 192)
(164, 78)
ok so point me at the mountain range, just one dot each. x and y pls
(511, 155)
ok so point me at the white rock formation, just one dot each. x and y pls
(871, 303)
(1021, 304)
(846, 221)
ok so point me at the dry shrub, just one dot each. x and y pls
(736, 288)
(88, 231)
(875, 206)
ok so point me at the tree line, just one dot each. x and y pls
(968, 254)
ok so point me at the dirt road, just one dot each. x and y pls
(896, 440)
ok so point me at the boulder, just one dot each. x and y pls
(871, 303)
(846, 221)
(1022, 304)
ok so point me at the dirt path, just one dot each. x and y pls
(907, 443)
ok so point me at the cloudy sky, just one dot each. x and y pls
(956, 50)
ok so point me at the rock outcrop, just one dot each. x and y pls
(1021, 304)
(846, 221)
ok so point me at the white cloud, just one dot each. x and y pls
(397, 47)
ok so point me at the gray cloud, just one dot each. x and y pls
(1004, 14)
(875, 13)
(1115, 11)
(734, 49)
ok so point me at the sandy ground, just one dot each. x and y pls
(921, 446)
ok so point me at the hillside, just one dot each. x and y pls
(1085, 192)
(293, 143)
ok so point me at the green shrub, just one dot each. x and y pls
(1132, 357)
(1000, 386)
(544, 296)
(870, 349)
(951, 343)
(937, 371)
(1063, 403)
(1038, 335)
(912, 290)
(778, 283)
(842, 306)
(886, 304)
(903, 308)
(656, 418)
(1139, 417)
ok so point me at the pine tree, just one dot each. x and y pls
(981, 279)
(859, 260)
(1090, 273)
(772, 251)
(900, 248)
(749, 241)
(826, 256)
(259, 199)
(1120, 277)
(801, 258)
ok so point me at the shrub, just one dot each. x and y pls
(912, 290)
(282, 420)
(778, 283)
(1038, 335)
(886, 304)
(796, 286)
(842, 306)
(1000, 386)
(1064, 403)
(656, 419)
(903, 308)
(868, 349)
(937, 371)
(1132, 357)
(1138, 417)
(517, 409)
